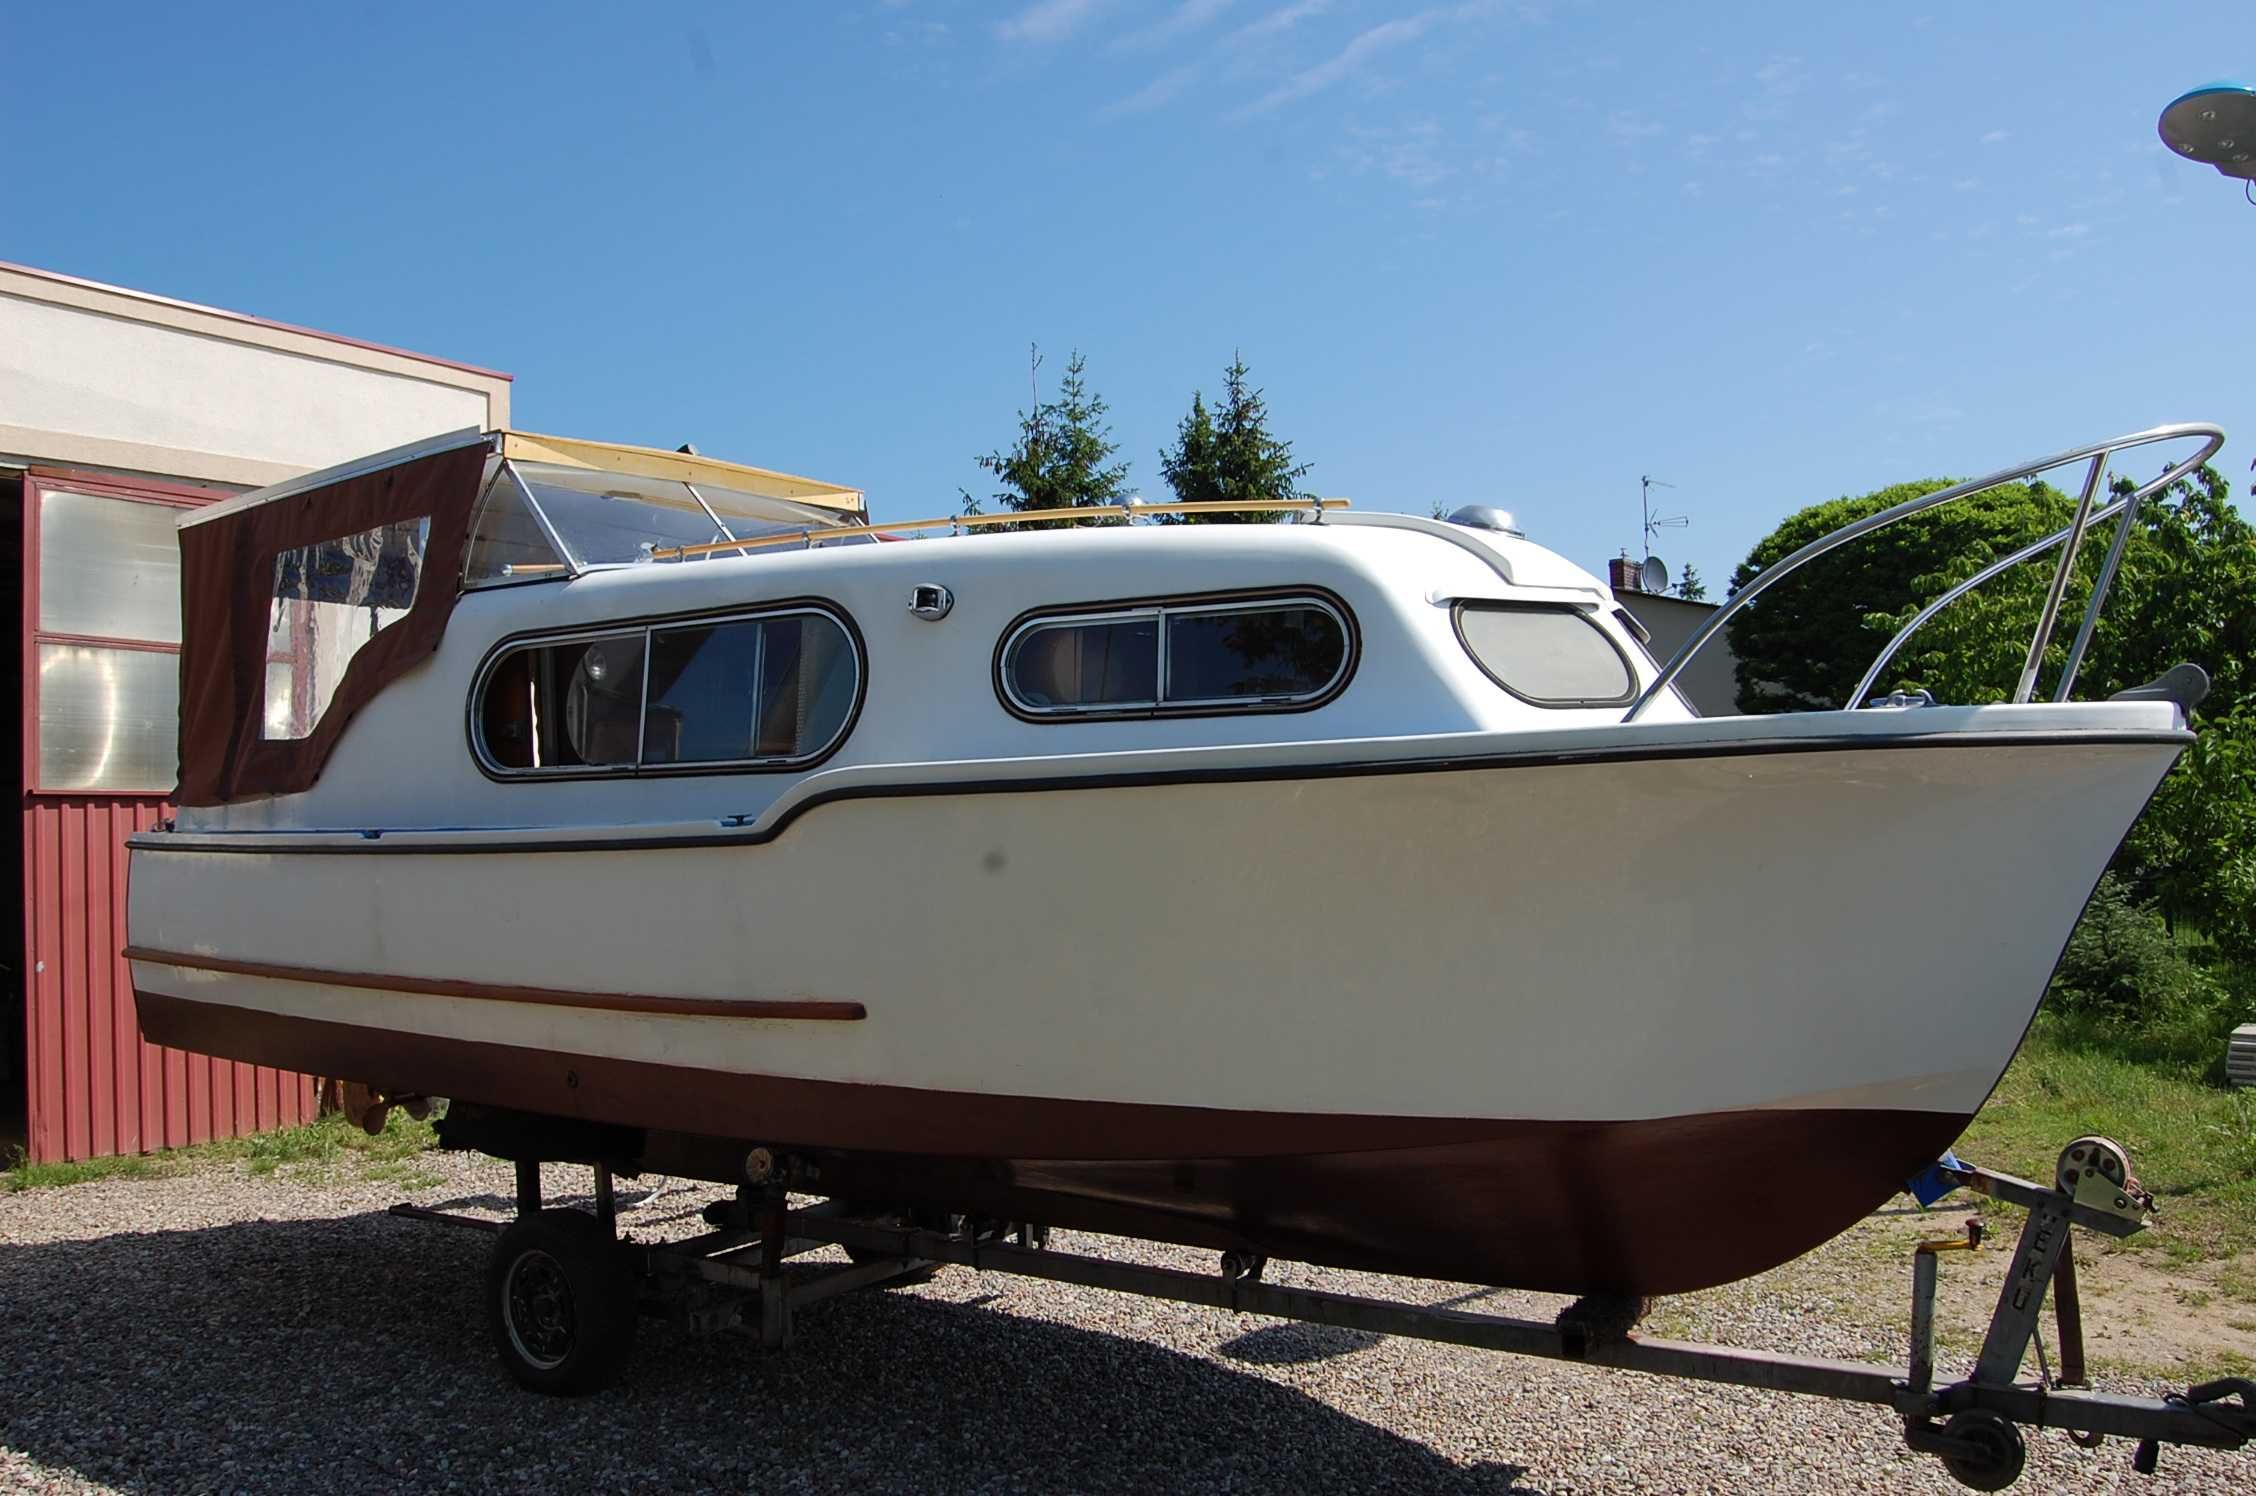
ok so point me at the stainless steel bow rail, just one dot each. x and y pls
(564, 1291)
(2071, 539)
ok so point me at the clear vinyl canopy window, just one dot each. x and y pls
(769, 691)
(540, 521)
(1266, 654)
(330, 600)
(1549, 657)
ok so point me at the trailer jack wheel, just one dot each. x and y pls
(1982, 1451)
(560, 1302)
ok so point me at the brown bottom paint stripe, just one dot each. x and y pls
(1646, 1206)
(817, 1009)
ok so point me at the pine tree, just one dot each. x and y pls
(1062, 457)
(1230, 456)
(1690, 587)
(1194, 468)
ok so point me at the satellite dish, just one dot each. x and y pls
(2214, 124)
(1653, 575)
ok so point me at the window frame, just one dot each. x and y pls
(1162, 608)
(645, 628)
(37, 483)
(1587, 616)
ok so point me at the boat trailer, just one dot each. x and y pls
(564, 1291)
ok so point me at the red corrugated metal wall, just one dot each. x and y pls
(96, 1088)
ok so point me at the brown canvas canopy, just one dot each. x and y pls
(301, 601)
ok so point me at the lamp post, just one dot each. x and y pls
(2215, 124)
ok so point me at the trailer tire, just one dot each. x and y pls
(2001, 1451)
(560, 1302)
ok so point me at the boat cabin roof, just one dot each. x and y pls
(656, 476)
(303, 600)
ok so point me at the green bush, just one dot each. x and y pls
(2121, 962)
(2125, 985)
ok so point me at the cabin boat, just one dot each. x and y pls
(1355, 890)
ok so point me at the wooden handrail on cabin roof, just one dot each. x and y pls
(1011, 517)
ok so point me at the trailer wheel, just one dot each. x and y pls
(560, 1302)
(1995, 1450)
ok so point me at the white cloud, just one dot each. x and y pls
(1185, 18)
(1411, 153)
(1347, 62)
(1996, 137)
(1778, 80)
(1047, 21)
(909, 33)
(1280, 20)
(1628, 128)
(2069, 231)
(1153, 94)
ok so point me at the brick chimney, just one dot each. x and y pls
(1625, 575)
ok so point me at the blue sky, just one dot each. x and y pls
(1514, 254)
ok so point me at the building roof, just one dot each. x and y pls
(246, 318)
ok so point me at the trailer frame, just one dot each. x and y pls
(734, 1277)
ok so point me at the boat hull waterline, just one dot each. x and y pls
(1356, 1019)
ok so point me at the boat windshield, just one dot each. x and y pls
(610, 519)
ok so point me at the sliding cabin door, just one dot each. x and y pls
(100, 574)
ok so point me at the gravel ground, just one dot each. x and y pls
(230, 1333)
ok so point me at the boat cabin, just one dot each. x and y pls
(525, 631)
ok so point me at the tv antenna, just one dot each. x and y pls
(1653, 575)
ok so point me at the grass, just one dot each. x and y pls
(31, 1176)
(315, 1151)
(2192, 1142)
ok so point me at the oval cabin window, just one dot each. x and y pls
(1552, 657)
(773, 691)
(1279, 654)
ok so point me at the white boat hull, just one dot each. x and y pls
(1353, 1012)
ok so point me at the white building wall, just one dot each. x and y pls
(102, 377)
(1711, 681)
